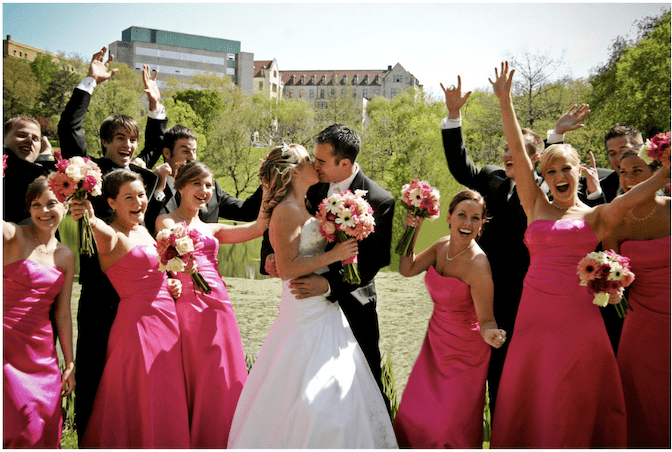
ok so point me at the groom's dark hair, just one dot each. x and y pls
(343, 139)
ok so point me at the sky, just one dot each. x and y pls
(435, 42)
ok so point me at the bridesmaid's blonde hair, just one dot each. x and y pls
(556, 151)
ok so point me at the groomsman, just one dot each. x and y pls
(617, 140)
(22, 145)
(119, 141)
(178, 148)
(502, 238)
(335, 154)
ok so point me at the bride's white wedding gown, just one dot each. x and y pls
(311, 386)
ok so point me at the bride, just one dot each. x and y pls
(310, 386)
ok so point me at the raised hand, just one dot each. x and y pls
(454, 98)
(413, 221)
(502, 84)
(98, 70)
(151, 87)
(590, 171)
(572, 119)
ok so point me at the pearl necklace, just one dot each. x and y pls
(632, 215)
(562, 208)
(460, 253)
(42, 247)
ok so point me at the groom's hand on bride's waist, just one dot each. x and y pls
(309, 286)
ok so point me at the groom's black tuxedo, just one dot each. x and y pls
(98, 300)
(359, 302)
(502, 238)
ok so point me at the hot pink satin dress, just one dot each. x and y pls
(560, 385)
(644, 348)
(141, 401)
(31, 377)
(212, 352)
(442, 404)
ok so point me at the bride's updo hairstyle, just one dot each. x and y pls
(276, 172)
(190, 172)
(114, 180)
(556, 151)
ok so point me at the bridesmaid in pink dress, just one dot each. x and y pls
(644, 349)
(442, 405)
(560, 385)
(141, 400)
(212, 351)
(38, 272)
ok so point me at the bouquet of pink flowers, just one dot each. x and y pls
(606, 274)
(657, 148)
(176, 248)
(74, 178)
(344, 215)
(423, 201)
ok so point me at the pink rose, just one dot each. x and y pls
(89, 183)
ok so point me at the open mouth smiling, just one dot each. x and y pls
(562, 187)
(464, 232)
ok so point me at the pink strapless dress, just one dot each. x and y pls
(141, 402)
(560, 384)
(31, 377)
(212, 352)
(644, 349)
(442, 405)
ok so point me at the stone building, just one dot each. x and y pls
(183, 55)
(267, 79)
(317, 85)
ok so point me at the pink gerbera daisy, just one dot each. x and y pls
(62, 186)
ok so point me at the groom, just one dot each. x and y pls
(335, 153)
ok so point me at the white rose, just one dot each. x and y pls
(164, 234)
(175, 265)
(184, 245)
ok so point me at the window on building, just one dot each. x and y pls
(355, 79)
(152, 36)
(394, 92)
(261, 86)
(312, 94)
(323, 80)
(290, 94)
(275, 88)
(321, 94)
(300, 93)
(20, 54)
(312, 80)
(365, 93)
(398, 78)
(15, 52)
(275, 73)
(366, 79)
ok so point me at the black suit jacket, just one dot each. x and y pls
(503, 234)
(359, 302)
(221, 205)
(18, 175)
(609, 183)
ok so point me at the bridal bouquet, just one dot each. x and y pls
(176, 248)
(75, 178)
(606, 274)
(344, 215)
(423, 201)
(657, 148)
